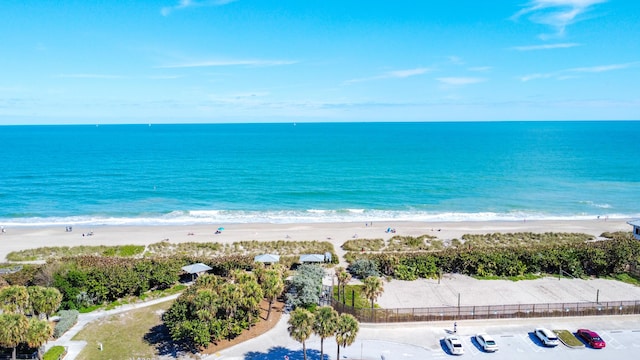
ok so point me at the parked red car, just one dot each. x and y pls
(592, 338)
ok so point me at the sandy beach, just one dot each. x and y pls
(20, 238)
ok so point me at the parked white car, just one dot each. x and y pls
(548, 337)
(454, 344)
(487, 343)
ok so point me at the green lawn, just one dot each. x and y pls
(123, 335)
(569, 339)
(352, 291)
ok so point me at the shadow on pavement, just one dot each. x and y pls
(279, 353)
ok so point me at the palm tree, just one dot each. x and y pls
(251, 301)
(346, 331)
(38, 333)
(301, 326)
(44, 300)
(14, 330)
(338, 271)
(372, 289)
(325, 325)
(14, 299)
(344, 278)
(273, 287)
(230, 297)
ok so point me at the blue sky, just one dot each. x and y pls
(175, 61)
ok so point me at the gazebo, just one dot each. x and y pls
(196, 269)
(636, 228)
(267, 258)
(312, 258)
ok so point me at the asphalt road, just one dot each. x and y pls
(424, 341)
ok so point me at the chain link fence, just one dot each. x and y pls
(490, 311)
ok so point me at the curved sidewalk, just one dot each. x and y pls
(74, 347)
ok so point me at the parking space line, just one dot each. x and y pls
(533, 346)
(611, 341)
(473, 350)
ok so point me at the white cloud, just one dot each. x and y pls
(556, 13)
(185, 4)
(480, 68)
(407, 73)
(396, 74)
(545, 46)
(238, 62)
(460, 81)
(603, 68)
(570, 73)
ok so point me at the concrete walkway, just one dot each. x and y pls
(75, 347)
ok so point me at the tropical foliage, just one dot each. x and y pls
(15, 327)
(346, 331)
(373, 288)
(576, 258)
(325, 325)
(272, 286)
(85, 281)
(300, 327)
(213, 309)
(363, 268)
(306, 286)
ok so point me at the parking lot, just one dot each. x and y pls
(515, 340)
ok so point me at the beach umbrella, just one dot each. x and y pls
(220, 228)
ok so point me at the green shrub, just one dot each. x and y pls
(55, 353)
(68, 318)
(363, 268)
(404, 272)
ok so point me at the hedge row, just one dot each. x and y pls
(598, 258)
(68, 318)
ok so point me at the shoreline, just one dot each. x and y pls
(22, 238)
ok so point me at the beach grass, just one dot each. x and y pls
(524, 239)
(46, 253)
(123, 336)
(396, 243)
(364, 244)
(410, 243)
(250, 247)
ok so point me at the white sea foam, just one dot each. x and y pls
(600, 206)
(296, 216)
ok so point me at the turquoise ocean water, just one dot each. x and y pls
(318, 172)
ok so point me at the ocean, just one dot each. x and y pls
(161, 174)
